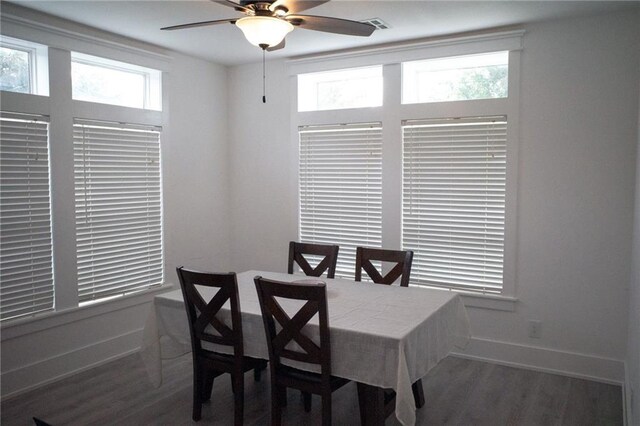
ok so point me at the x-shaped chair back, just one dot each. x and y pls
(330, 253)
(203, 314)
(291, 328)
(402, 267)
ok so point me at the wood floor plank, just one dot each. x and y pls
(457, 392)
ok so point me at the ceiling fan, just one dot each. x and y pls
(267, 22)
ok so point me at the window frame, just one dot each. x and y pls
(393, 112)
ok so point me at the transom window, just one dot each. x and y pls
(23, 67)
(460, 78)
(348, 88)
(105, 81)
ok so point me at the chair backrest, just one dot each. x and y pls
(291, 328)
(204, 323)
(330, 253)
(402, 258)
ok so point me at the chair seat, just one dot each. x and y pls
(225, 362)
(306, 381)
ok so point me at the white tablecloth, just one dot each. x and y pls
(385, 336)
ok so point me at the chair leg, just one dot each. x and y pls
(207, 386)
(418, 393)
(282, 396)
(306, 399)
(238, 398)
(257, 372)
(326, 409)
(233, 385)
(197, 393)
(276, 408)
(372, 405)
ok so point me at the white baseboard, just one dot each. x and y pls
(572, 364)
(49, 370)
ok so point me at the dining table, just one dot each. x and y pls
(384, 337)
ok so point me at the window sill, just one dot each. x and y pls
(40, 322)
(493, 302)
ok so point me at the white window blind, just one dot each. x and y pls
(454, 201)
(118, 208)
(341, 188)
(25, 216)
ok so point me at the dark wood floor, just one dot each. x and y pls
(457, 391)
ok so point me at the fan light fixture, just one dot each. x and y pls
(264, 31)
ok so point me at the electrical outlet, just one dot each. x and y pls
(535, 329)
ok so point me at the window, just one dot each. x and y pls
(16, 70)
(25, 215)
(348, 88)
(453, 201)
(23, 67)
(117, 83)
(118, 208)
(448, 162)
(482, 76)
(341, 188)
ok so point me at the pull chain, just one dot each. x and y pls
(264, 95)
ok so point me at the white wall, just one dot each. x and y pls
(262, 168)
(197, 234)
(578, 119)
(633, 340)
(576, 179)
(195, 174)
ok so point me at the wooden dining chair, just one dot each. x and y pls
(297, 252)
(291, 330)
(401, 270)
(205, 325)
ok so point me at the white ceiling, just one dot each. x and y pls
(226, 45)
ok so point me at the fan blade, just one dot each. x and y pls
(236, 6)
(293, 6)
(277, 46)
(331, 25)
(200, 24)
